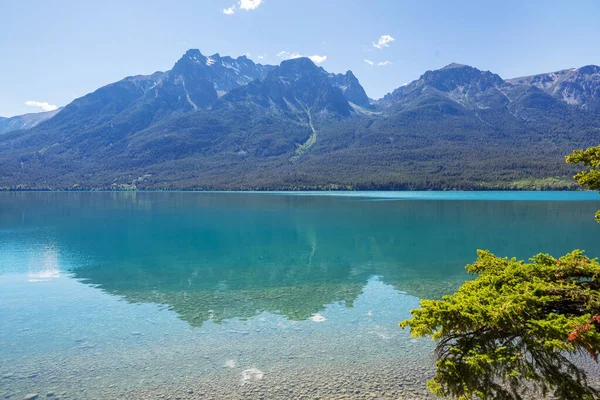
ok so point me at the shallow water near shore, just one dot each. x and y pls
(247, 295)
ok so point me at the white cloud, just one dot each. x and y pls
(369, 62)
(286, 55)
(250, 4)
(41, 104)
(229, 10)
(318, 59)
(247, 5)
(384, 41)
(260, 57)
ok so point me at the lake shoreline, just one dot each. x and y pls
(469, 195)
(573, 188)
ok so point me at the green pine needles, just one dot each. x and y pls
(589, 178)
(516, 330)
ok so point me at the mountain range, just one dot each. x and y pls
(215, 122)
(25, 121)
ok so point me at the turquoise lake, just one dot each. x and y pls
(137, 295)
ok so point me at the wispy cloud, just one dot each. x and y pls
(379, 64)
(289, 55)
(318, 59)
(247, 5)
(384, 41)
(41, 104)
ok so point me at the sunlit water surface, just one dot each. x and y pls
(247, 295)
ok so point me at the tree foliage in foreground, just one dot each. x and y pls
(513, 331)
(589, 178)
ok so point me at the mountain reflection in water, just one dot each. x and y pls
(217, 256)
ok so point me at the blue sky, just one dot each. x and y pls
(55, 51)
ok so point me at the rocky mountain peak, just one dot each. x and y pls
(454, 66)
(575, 86)
(296, 87)
(456, 75)
(351, 88)
(297, 67)
(191, 60)
(457, 83)
(589, 69)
